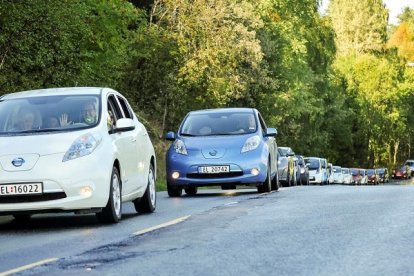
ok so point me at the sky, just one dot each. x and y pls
(394, 6)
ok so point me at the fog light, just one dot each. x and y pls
(255, 171)
(85, 191)
(175, 175)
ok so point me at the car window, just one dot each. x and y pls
(42, 113)
(220, 123)
(125, 108)
(115, 107)
(262, 123)
(313, 164)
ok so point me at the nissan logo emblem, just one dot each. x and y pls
(213, 153)
(18, 162)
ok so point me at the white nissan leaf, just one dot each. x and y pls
(73, 150)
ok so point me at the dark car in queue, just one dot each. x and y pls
(383, 175)
(223, 147)
(302, 174)
(373, 177)
(403, 172)
(356, 176)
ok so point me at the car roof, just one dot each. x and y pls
(55, 91)
(225, 110)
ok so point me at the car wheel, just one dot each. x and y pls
(147, 203)
(266, 185)
(191, 191)
(275, 182)
(22, 217)
(112, 212)
(174, 191)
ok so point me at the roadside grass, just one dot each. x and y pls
(161, 184)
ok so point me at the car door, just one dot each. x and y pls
(122, 141)
(138, 148)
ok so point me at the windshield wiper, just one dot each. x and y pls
(37, 130)
(188, 134)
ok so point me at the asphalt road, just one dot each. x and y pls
(315, 230)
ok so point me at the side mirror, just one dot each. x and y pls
(270, 131)
(124, 124)
(170, 136)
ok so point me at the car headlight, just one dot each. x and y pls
(179, 147)
(84, 145)
(251, 143)
(302, 170)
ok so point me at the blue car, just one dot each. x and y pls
(222, 147)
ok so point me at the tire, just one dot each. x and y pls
(275, 182)
(266, 185)
(174, 191)
(22, 217)
(148, 202)
(112, 212)
(191, 191)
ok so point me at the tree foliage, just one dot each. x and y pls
(331, 85)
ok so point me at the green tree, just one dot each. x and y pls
(360, 25)
(46, 43)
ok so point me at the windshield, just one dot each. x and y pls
(355, 172)
(370, 172)
(313, 164)
(337, 170)
(48, 113)
(219, 123)
(409, 163)
(345, 171)
(283, 151)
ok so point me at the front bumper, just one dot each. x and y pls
(240, 170)
(78, 184)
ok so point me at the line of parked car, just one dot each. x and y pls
(84, 150)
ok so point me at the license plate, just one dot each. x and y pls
(21, 189)
(214, 169)
(311, 178)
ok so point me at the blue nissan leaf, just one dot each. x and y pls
(222, 147)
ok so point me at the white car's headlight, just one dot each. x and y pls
(179, 147)
(251, 143)
(82, 146)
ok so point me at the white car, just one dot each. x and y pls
(346, 172)
(364, 176)
(317, 170)
(337, 176)
(73, 150)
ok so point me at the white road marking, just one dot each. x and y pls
(163, 225)
(29, 266)
(231, 203)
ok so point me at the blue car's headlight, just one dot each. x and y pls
(179, 147)
(82, 146)
(251, 143)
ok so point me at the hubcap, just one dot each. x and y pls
(116, 195)
(151, 186)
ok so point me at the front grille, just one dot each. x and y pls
(214, 175)
(32, 198)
